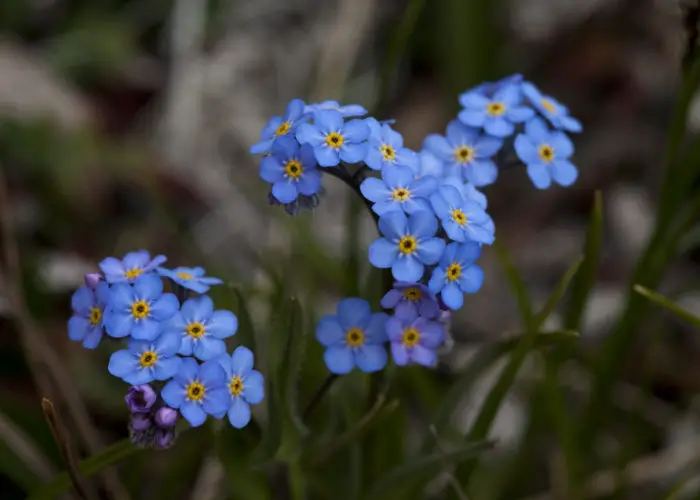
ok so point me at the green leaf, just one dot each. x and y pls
(666, 303)
(557, 294)
(293, 363)
(424, 467)
(246, 327)
(584, 280)
(517, 286)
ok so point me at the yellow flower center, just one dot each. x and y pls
(355, 337)
(454, 271)
(334, 140)
(185, 276)
(236, 386)
(195, 391)
(388, 152)
(148, 359)
(546, 153)
(412, 294)
(283, 129)
(401, 194)
(195, 330)
(133, 273)
(459, 217)
(95, 316)
(496, 108)
(548, 105)
(293, 169)
(410, 337)
(464, 154)
(139, 309)
(407, 244)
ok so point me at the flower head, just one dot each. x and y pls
(146, 360)
(386, 147)
(466, 153)
(131, 267)
(414, 339)
(407, 246)
(557, 114)
(86, 324)
(291, 169)
(245, 386)
(349, 111)
(280, 126)
(197, 390)
(457, 274)
(354, 336)
(191, 278)
(463, 220)
(398, 190)
(139, 309)
(497, 114)
(333, 139)
(546, 154)
(201, 328)
(140, 398)
(411, 299)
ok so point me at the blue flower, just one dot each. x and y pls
(131, 267)
(429, 164)
(354, 336)
(191, 278)
(245, 386)
(546, 154)
(140, 309)
(457, 274)
(291, 170)
(463, 220)
(197, 390)
(201, 328)
(386, 147)
(550, 108)
(414, 339)
(145, 361)
(489, 88)
(349, 111)
(89, 305)
(333, 140)
(496, 114)
(411, 299)
(279, 126)
(407, 246)
(466, 153)
(398, 190)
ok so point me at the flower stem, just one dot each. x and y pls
(318, 396)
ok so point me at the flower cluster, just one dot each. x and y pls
(430, 213)
(175, 357)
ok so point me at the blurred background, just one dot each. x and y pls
(126, 124)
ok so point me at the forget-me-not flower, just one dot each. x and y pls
(201, 328)
(398, 190)
(386, 147)
(415, 339)
(291, 169)
(497, 114)
(407, 246)
(139, 309)
(131, 267)
(354, 336)
(191, 278)
(146, 360)
(86, 325)
(348, 111)
(280, 126)
(546, 154)
(463, 220)
(557, 114)
(457, 274)
(411, 299)
(246, 386)
(333, 139)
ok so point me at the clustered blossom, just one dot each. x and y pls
(431, 215)
(175, 357)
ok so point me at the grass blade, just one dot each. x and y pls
(666, 303)
(557, 294)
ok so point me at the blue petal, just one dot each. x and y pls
(408, 158)
(148, 287)
(118, 325)
(440, 206)
(187, 345)
(423, 356)
(536, 129)
(399, 353)
(570, 124)
(487, 146)
(285, 147)
(78, 328)
(353, 312)
(222, 324)
(239, 413)
(473, 100)
(508, 95)
(438, 145)
(285, 191)
(564, 172)
(498, 127)
(374, 190)
(136, 260)
(326, 157)
(354, 153)
(164, 308)
(92, 338)
(384, 207)
(422, 224)
(452, 296)
(254, 387)
(432, 332)
(454, 231)
(294, 109)
(437, 280)
(460, 135)
(520, 114)
(121, 297)
(166, 368)
(397, 176)
(424, 186)
(329, 331)
(167, 344)
(173, 394)
(526, 149)
(374, 158)
(103, 293)
(261, 147)
(375, 330)
(139, 376)
(450, 254)
(329, 121)
(392, 137)
(193, 413)
(451, 195)
(353, 110)
(83, 300)
(383, 253)
(122, 363)
(198, 309)
(480, 234)
(468, 252)
(271, 170)
(471, 279)
(207, 348)
(339, 359)
(212, 374)
(112, 269)
(481, 172)
(414, 205)
(146, 329)
(472, 118)
(430, 250)
(391, 298)
(242, 361)
(540, 175)
(356, 131)
(563, 147)
(307, 133)
(393, 225)
(217, 402)
(189, 370)
(309, 183)
(371, 358)
(394, 328)
(269, 130)
(407, 269)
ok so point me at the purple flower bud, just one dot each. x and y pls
(140, 422)
(166, 417)
(140, 398)
(142, 439)
(164, 439)
(92, 280)
(444, 316)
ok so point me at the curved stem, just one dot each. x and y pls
(353, 181)
(318, 396)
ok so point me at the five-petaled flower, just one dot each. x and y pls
(498, 114)
(191, 278)
(291, 169)
(201, 328)
(386, 147)
(145, 361)
(410, 299)
(415, 339)
(131, 267)
(557, 114)
(139, 309)
(398, 190)
(546, 154)
(457, 274)
(86, 324)
(280, 126)
(197, 391)
(463, 220)
(246, 386)
(407, 246)
(333, 139)
(354, 336)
